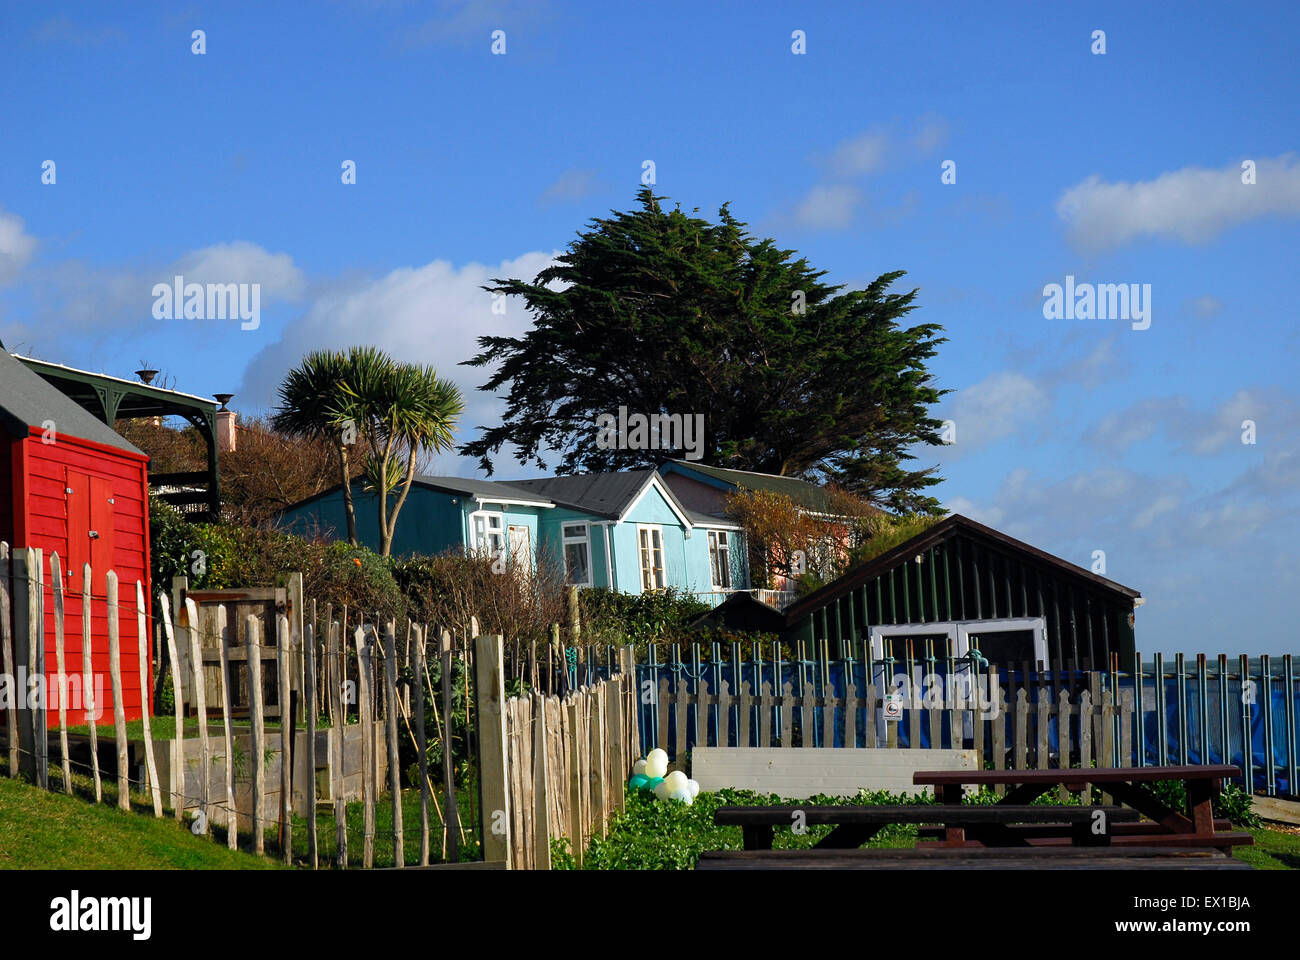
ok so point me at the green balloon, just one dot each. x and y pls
(637, 782)
(651, 783)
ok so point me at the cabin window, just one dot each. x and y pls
(720, 559)
(577, 554)
(651, 540)
(487, 533)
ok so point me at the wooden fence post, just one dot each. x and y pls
(258, 733)
(119, 708)
(227, 704)
(418, 638)
(178, 708)
(201, 710)
(7, 652)
(366, 711)
(146, 707)
(337, 728)
(618, 763)
(297, 684)
(394, 775)
(574, 710)
(285, 669)
(56, 582)
(541, 786)
(93, 706)
(489, 689)
(452, 825)
(309, 706)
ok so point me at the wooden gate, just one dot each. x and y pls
(264, 603)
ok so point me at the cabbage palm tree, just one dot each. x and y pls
(315, 404)
(408, 410)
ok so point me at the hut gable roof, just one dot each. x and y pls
(27, 401)
(950, 526)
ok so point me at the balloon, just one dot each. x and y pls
(656, 763)
(683, 795)
(661, 790)
(676, 781)
(638, 768)
(637, 782)
(695, 788)
(651, 783)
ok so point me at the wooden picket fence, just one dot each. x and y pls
(552, 767)
(345, 668)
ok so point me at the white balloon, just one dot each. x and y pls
(676, 781)
(638, 768)
(683, 795)
(661, 790)
(695, 788)
(656, 763)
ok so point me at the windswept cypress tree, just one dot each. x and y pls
(666, 313)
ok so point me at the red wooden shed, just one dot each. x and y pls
(70, 485)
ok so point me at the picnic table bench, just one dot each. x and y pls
(855, 825)
(1168, 827)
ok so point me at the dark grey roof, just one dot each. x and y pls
(27, 401)
(604, 494)
(493, 489)
(804, 493)
(708, 519)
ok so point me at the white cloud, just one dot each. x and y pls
(16, 246)
(73, 297)
(61, 29)
(828, 207)
(1163, 504)
(999, 405)
(242, 262)
(860, 155)
(433, 314)
(570, 185)
(1206, 306)
(1191, 205)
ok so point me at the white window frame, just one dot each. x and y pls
(720, 545)
(565, 540)
(652, 530)
(959, 631)
(500, 531)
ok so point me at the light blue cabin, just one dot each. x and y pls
(625, 531)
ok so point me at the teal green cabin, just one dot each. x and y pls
(625, 531)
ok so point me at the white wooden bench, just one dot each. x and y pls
(801, 772)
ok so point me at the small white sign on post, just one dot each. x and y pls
(893, 704)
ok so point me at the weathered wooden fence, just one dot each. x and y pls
(368, 678)
(551, 767)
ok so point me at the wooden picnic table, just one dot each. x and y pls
(973, 858)
(856, 824)
(1195, 828)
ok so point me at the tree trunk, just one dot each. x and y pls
(348, 509)
(397, 507)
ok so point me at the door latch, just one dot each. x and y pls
(94, 535)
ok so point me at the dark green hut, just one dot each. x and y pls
(962, 584)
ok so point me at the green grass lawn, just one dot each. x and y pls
(27, 841)
(1274, 849)
(164, 728)
(40, 830)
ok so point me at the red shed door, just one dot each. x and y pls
(90, 529)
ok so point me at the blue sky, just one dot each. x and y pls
(1124, 167)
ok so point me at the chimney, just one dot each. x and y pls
(226, 433)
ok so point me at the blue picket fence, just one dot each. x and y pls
(1184, 711)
